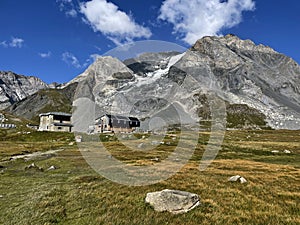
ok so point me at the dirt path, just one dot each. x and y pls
(34, 155)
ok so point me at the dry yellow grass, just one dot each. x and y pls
(75, 194)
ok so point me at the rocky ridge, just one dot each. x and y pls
(14, 87)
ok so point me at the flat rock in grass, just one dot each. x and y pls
(275, 151)
(287, 152)
(52, 168)
(173, 201)
(237, 178)
(33, 166)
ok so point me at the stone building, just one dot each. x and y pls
(55, 121)
(116, 124)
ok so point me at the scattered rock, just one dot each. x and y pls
(1, 196)
(237, 178)
(243, 180)
(287, 151)
(141, 145)
(275, 151)
(173, 201)
(52, 168)
(156, 159)
(71, 143)
(78, 138)
(32, 166)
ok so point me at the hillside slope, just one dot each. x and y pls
(46, 100)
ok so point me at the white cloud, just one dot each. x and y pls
(4, 44)
(16, 42)
(72, 13)
(70, 59)
(45, 55)
(193, 19)
(92, 58)
(68, 7)
(116, 25)
(13, 43)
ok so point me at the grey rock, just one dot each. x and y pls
(243, 180)
(14, 87)
(52, 168)
(255, 75)
(149, 62)
(275, 151)
(141, 145)
(237, 178)
(33, 166)
(173, 201)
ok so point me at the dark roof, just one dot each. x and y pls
(133, 118)
(119, 117)
(55, 114)
(63, 124)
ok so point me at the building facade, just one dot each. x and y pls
(116, 124)
(55, 121)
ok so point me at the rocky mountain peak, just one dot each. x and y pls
(14, 87)
(102, 69)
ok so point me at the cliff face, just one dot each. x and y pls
(240, 72)
(254, 75)
(14, 88)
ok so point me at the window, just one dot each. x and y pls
(59, 128)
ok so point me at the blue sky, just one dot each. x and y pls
(57, 39)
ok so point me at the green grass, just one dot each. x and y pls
(76, 194)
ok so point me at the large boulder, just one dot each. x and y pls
(173, 201)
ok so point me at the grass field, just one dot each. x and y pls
(75, 194)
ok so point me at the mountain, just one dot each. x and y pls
(45, 100)
(14, 87)
(255, 75)
(259, 86)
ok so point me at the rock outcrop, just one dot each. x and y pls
(14, 87)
